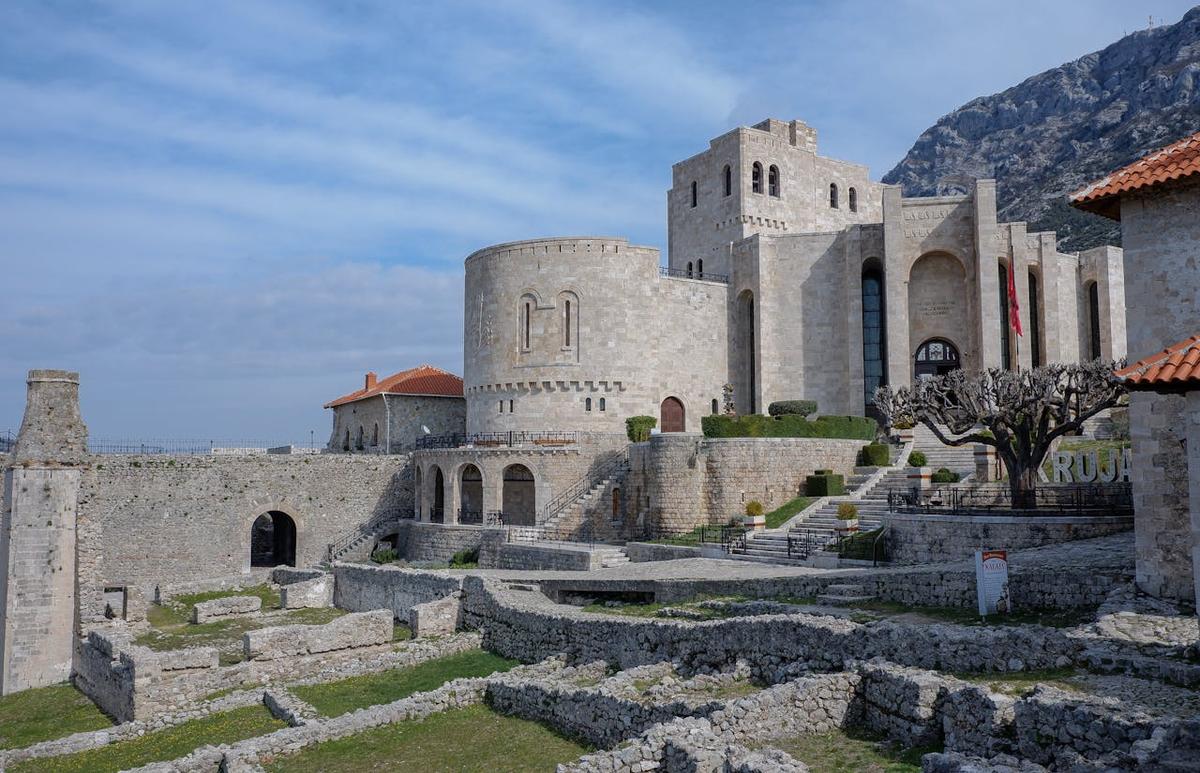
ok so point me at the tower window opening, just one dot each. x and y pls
(525, 326)
(852, 199)
(773, 181)
(694, 193)
(833, 196)
(700, 268)
(587, 404)
(603, 406)
(689, 268)
(567, 323)
(728, 180)
(756, 181)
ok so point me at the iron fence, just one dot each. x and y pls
(496, 439)
(729, 536)
(480, 517)
(701, 275)
(8, 439)
(194, 447)
(1101, 500)
(802, 543)
(612, 465)
(864, 546)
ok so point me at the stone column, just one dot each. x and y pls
(37, 535)
(895, 288)
(987, 276)
(852, 276)
(453, 498)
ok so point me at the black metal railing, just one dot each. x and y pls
(729, 536)
(497, 439)
(864, 546)
(191, 447)
(369, 529)
(8, 439)
(612, 465)
(1113, 499)
(683, 273)
(802, 543)
(470, 517)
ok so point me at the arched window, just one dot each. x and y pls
(1094, 320)
(375, 435)
(689, 269)
(852, 199)
(346, 442)
(526, 316)
(773, 181)
(700, 268)
(715, 407)
(1005, 338)
(603, 405)
(693, 193)
(587, 404)
(756, 180)
(569, 303)
(359, 442)
(833, 196)
(728, 180)
(874, 335)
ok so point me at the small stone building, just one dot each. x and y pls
(1157, 200)
(387, 416)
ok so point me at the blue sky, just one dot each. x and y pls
(222, 213)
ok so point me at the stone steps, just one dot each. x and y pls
(843, 594)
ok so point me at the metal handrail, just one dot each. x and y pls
(583, 484)
(703, 276)
(499, 439)
(1112, 500)
(364, 529)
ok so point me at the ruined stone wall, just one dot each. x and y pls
(1160, 232)
(918, 539)
(146, 521)
(363, 587)
(432, 542)
(682, 481)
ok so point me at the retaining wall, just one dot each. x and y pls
(362, 587)
(924, 538)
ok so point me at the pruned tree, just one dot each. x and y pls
(1020, 414)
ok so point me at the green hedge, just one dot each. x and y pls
(757, 425)
(945, 475)
(792, 408)
(824, 484)
(917, 459)
(638, 427)
(875, 455)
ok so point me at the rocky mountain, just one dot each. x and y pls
(1053, 133)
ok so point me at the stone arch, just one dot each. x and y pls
(938, 303)
(745, 357)
(470, 487)
(527, 304)
(936, 357)
(519, 495)
(296, 524)
(672, 415)
(437, 510)
(756, 178)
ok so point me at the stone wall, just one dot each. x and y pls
(680, 481)
(565, 557)
(398, 419)
(1162, 298)
(437, 543)
(361, 587)
(146, 521)
(361, 629)
(925, 538)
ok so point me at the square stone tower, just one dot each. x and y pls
(37, 535)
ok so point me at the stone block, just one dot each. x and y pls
(435, 618)
(226, 606)
(362, 629)
(306, 594)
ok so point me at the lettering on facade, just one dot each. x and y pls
(917, 233)
(1089, 467)
(935, 309)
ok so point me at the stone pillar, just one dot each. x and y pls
(37, 535)
(1193, 445)
(895, 289)
(919, 478)
(453, 498)
(987, 276)
(985, 463)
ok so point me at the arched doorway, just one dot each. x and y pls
(519, 497)
(471, 488)
(273, 540)
(938, 305)
(438, 513)
(671, 416)
(745, 356)
(616, 504)
(936, 357)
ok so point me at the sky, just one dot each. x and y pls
(223, 213)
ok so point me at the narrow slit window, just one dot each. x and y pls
(833, 196)
(602, 405)
(700, 268)
(728, 180)
(852, 199)
(525, 331)
(587, 405)
(694, 193)
(567, 323)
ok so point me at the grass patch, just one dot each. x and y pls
(401, 632)
(161, 745)
(45, 713)
(1051, 618)
(652, 608)
(462, 740)
(178, 609)
(779, 516)
(686, 539)
(852, 751)
(335, 698)
(1021, 682)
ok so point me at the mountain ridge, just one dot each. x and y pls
(1056, 131)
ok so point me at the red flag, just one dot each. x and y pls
(1014, 308)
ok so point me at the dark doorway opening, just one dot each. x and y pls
(936, 357)
(519, 497)
(273, 540)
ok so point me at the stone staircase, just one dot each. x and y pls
(610, 556)
(584, 509)
(359, 542)
(960, 459)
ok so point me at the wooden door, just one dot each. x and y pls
(671, 418)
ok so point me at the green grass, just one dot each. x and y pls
(178, 609)
(780, 515)
(1103, 447)
(44, 713)
(334, 698)
(459, 741)
(851, 751)
(1052, 618)
(161, 745)
(1021, 682)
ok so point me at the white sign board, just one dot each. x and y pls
(991, 582)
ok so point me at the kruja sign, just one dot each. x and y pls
(991, 582)
(1087, 467)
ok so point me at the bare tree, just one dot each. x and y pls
(1018, 413)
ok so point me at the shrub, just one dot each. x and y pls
(903, 424)
(754, 508)
(847, 512)
(849, 427)
(824, 484)
(792, 408)
(638, 428)
(917, 459)
(875, 455)
(384, 555)
(468, 557)
(944, 475)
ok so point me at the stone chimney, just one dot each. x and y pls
(371, 380)
(52, 429)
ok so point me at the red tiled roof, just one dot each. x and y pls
(1174, 162)
(1174, 369)
(422, 380)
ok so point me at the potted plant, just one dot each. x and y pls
(847, 514)
(754, 519)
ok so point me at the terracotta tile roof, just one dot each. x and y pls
(1174, 162)
(422, 380)
(1174, 369)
